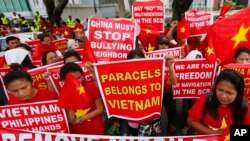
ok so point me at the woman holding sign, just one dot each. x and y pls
(20, 85)
(86, 120)
(225, 105)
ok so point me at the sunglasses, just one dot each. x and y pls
(162, 43)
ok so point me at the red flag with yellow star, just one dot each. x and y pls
(88, 54)
(183, 29)
(210, 55)
(148, 37)
(73, 95)
(229, 33)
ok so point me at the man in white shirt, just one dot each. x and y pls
(15, 19)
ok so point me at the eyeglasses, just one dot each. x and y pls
(162, 43)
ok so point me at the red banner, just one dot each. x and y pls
(244, 69)
(176, 52)
(111, 39)
(149, 13)
(194, 78)
(61, 44)
(131, 89)
(41, 116)
(17, 135)
(199, 21)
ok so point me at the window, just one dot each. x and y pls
(14, 5)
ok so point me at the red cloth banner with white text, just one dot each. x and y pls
(43, 116)
(132, 89)
(17, 135)
(194, 78)
(199, 21)
(244, 69)
(61, 44)
(151, 12)
(58, 83)
(111, 39)
(176, 52)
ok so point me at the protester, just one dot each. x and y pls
(92, 122)
(141, 128)
(20, 85)
(15, 19)
(78, 29)
(71, 56)
(242, 55)
(49, 57)
(12, 42)
(45, 45)
(80, 41)
(224, 106)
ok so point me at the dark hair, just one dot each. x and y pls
(16, 73)
(69, 67)
(8, 39)
(77, 20)
(135, 53)
(71, 53)
(239, 105)
(44, 57)
(42, 36)
(240, 50)
(26, 47)
(27, 63)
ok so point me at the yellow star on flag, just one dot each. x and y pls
(66, 33)
(81, 89)
(150, 48)
(148, 31)
(241, 35)
(223, 125)
(227, 137)
(80, 113)
(210, 50)
(183, 29)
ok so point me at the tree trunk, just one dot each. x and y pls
(131, 4)
(121, 8)
(53, 12)
(179, 8)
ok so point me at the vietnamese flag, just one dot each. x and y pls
(210, 55)
(88, 54)
(183, 29)
(73, 95)
(229, 33)
(149, 37)
(224, 10)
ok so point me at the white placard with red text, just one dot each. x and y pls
(43, 116)
(111, 39)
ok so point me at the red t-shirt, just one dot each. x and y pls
(42, 95)
(67, 32)
(57, 31)
(224, 115)
(94, 126)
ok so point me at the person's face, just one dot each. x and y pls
(80, 44)
(21, 89)
(78, 76)
(71, 59)
(51, 58)
(163, 45)
(46, 41)
(13, 43)
(225, 92)
(243, 58)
